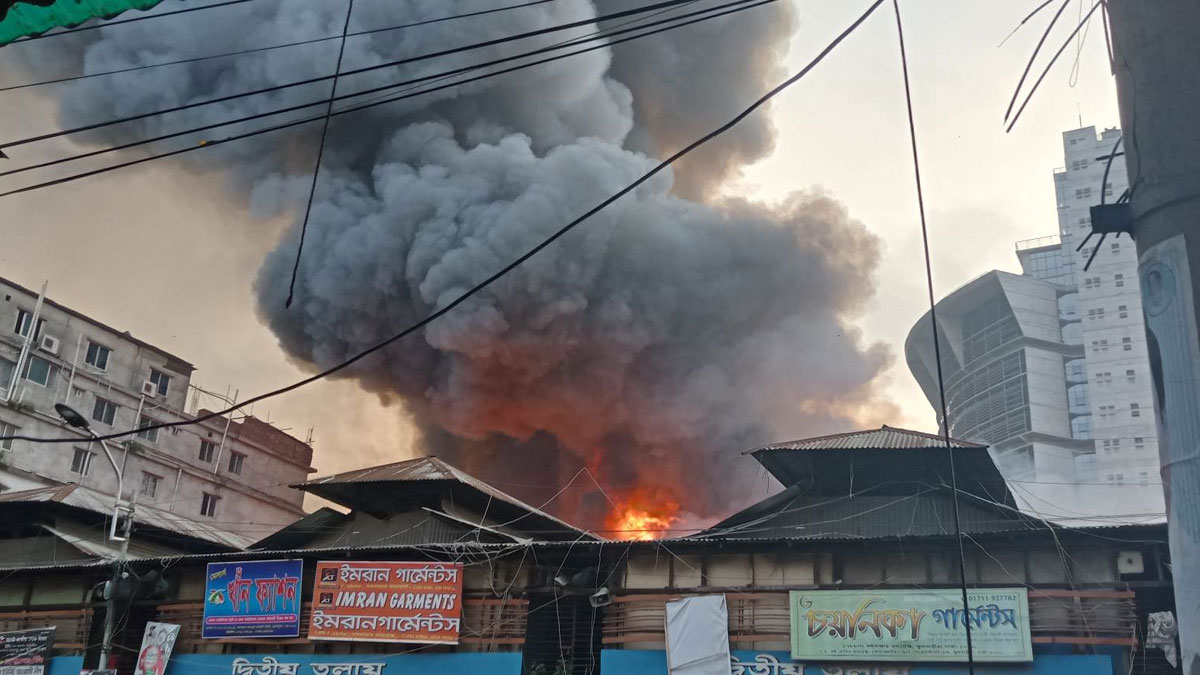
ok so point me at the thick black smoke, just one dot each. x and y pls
(667, 333)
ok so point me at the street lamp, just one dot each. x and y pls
(73, 418)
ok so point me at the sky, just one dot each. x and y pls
(158, 252)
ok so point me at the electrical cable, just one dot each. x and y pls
(1028, 16)
(433, 316)
(312, 188)
(1050, 65)
(600, 37)
(256, 50)
(912, 132)
(118, 22)
(1033, 57)
(355, 71)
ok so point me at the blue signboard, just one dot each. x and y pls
(253, 599)
(65, 665)
(654, 662)
(496, 663)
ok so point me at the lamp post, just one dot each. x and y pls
(73, 418)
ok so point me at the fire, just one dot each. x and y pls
(643, 523)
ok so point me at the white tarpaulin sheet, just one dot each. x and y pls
(698, 636)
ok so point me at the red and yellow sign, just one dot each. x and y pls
(387, 602)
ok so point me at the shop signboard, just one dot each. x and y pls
(910, 625)
(416, 663)
(654, 662)
(26, 652)
(253, 599)
(387, 602)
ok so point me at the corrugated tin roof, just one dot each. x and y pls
(419, 527)
(793, 515)
(423, 469)
(95, 501)
(883, 438)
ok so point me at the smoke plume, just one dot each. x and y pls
(652, 344)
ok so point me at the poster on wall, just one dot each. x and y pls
(157, 643)
(913, 626)
(252, 599)
(26, 652)
(387, 602)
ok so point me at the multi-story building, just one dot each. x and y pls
(1050, 367)
(233, 473)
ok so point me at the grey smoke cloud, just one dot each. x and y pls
(667, 333)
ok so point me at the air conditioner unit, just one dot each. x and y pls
(50, 344)
(149, 389)
(1130, 562)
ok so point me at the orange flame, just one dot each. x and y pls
(643, 522)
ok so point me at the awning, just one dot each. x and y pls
(22, 18)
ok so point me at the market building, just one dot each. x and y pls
(433, 571)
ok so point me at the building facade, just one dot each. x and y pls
(232, 472)
(1050, 367)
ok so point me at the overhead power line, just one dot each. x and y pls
(941, 382)
(135, 19)
(433, 316)
(257, 50)
(356, 71)
(603, 41)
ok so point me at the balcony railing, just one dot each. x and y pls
(1079, 617)
(71, 626)
(1040, 242)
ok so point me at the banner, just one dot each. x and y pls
(413, 663)
(387, 602)
(26, 652)
(256, 598)
(913, 626)
(157, 644)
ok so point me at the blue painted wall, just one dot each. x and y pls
(634, 662)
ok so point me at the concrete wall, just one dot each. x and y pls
(253, 503)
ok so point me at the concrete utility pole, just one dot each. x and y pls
(1156, 45)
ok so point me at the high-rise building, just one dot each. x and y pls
(231, 473)
(1050, 367)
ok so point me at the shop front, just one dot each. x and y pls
(654, 662)
(344, 664)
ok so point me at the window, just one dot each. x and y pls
(1116, 248)
(1096, 314)
(1118, 280)
(208, 505)
(236, 459)
(1139, 442)
(104, 411)
(1091, 282)
(1083, 193)
(7, 368)
(97, 355)
(160, 380)
(147, 434)
(1108, 189)
(1103, 378)
(81, 463)
(1127, 344)
(208, 450)
(1120, 479)
(1130, 376)
(1123, 311)
(1079, 165)
(24, 318)
(150, 484)
(7, 429)
(1135, 410)
(40, 371)
(1099, 345)
(1144, 477)
(1086, 220)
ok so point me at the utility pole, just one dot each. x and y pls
(114, 589)
(1156, 60)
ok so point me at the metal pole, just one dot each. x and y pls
(1156, 60)
(119, 574)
